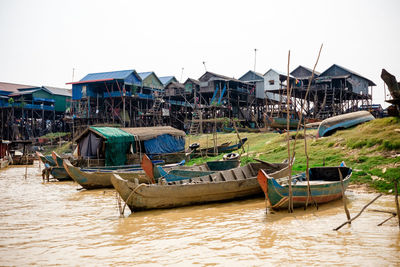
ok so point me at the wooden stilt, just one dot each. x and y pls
(344, 197)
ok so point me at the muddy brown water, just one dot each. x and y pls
(54, 224)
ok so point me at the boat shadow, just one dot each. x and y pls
(331, 208)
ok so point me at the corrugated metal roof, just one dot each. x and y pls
(316, 73)
(371, 83)
(255, 75)
(192, 80)
(167, 79)
(221, 77)
(25, 92)
(144, 75)
(59, 91)
(281, 73)
(13, 87)
(121, 74)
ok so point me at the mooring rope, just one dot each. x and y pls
(126, 201)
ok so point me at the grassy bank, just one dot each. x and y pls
(372, 150)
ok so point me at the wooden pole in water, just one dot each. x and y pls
(396, 198)
(290, 204)
(361, 211)
(344, 197)
(26, 166)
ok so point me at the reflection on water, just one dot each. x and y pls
(53, 223)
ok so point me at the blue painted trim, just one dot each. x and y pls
(345, 124)
(222, 94)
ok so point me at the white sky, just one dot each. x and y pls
(42, 41)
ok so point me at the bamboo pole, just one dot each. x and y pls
(290, 204)
(361, 211)
(238, 136)
(344, 197)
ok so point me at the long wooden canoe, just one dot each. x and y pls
(155, 172)
(60, 161)
(324, 183)
(100, 179)
(232, 147)
(332, 124)
(223, 148)
(227, 185)
(281, 122)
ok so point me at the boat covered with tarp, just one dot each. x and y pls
(110, 146)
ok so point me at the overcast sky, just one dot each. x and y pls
(42, 41)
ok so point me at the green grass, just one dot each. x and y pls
(55, 135)
(63, 149)
(369, 149)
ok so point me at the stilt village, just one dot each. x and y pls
(199, 133)
(128, 130)
(129, 98)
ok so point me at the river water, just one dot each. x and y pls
(55, 224)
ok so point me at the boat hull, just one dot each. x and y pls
(332, 124)
(322, 191)
(4, 163)
(60, 174)
(227, 185)
(98, 179)
(281, 123)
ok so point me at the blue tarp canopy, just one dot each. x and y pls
(164, 144)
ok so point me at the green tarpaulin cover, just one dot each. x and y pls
(117, 144)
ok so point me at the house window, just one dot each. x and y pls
(271, 82)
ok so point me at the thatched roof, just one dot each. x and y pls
(146, 133)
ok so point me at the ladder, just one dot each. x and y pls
(155, 110)
(156, 105)
(195, 125)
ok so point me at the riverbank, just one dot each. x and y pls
(371, 149)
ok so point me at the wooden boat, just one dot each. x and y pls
(93, 179)
(46, 159)
(101, 179)
(330, 125)
(178, 174)
(226, 185)
(21, 157)
(60, 161)
(155, 172)
(195, 153)
(60, 173)
(5, 156)
(324, 183)
(281, 123)
(232, 147)
(52, 168)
